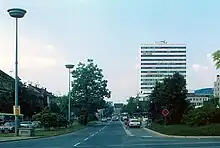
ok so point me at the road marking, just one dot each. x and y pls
(90, 136)
(77, 144)
(146, 136)
(126, 130)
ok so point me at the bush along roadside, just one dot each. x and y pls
(185, 130)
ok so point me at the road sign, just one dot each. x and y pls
(165, 112)
(16, 110)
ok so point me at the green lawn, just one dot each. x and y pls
(185, 130)
(53, 132)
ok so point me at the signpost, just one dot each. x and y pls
(165, 113)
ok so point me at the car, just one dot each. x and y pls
(134, 123)
(104, 120)
(109, 118)
(115, 119)
(26, 124)
(8, 126)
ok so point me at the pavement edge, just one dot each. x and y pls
(41, 137)
(173, 136)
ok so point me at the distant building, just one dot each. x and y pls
(117, 108)
(217, 87)
(204, 91)
(197, 99)
(160, 60)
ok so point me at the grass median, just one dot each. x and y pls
(52, 132)
(185, 130)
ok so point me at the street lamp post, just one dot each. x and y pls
(69, 66)
(16, 13)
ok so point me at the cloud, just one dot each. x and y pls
(200, 68)
(50, 47)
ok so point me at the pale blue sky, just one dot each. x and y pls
(56, 32)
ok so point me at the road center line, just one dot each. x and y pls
(92, 135)
(77, 144)
(126, 130)
(86, 138)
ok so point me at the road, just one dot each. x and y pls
(112, 135)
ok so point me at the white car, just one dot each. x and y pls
(26, 124)
(134, 123)
(104, 120)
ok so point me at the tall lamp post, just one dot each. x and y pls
(16, 13)
(69, 66)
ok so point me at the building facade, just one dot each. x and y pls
(217, 86)
(160, 60)
(197, 99)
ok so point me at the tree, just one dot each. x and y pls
(108, 109)
(216, 58)
(63, 105)
(169, 94)
(88, 89)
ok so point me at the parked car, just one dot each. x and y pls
(134, 123)
(36, 124)
(104, 120)
(26, 124)
(8, 127)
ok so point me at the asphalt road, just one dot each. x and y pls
(112, 135)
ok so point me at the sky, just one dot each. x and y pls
(54, 33)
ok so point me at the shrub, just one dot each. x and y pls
(202, 116)
(49, 120)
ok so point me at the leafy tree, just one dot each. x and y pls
(108, 109)
(63, 105)
(169, 94)
(88, 89)
(216, 58)
(54, 108)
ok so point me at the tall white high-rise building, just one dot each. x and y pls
(160, 60)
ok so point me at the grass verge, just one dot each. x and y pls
(61, 131)
(185, 130)
(53, 132)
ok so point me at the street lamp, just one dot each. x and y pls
(16, 13)
(69, 66)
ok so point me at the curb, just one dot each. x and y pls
(40, 137)
(173, 136)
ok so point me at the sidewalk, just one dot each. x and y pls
(5, 139)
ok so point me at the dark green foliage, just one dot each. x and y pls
(88, 90)
(169, 94)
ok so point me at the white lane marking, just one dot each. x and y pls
(126, 130)
(77, 144)
(146, 136)
(90, 136)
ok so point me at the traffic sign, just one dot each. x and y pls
(16, 110)
(165, 112)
